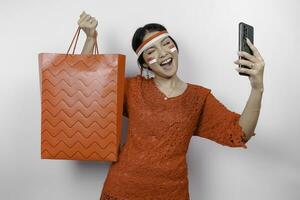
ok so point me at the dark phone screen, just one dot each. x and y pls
(245, 31)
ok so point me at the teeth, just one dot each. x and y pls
(166, 61)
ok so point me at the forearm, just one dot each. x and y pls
(88, 46)
(249, 117)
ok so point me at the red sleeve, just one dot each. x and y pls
(219, 124)
(125, 109)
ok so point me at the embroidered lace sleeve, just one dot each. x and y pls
(105, 196)
(219, 124)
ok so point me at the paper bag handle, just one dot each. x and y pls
(95, 47)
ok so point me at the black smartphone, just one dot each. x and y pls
(245, 30)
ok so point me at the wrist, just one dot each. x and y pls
(258, 90)
(90, 38)
(92, 34)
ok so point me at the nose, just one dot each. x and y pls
(162, 53)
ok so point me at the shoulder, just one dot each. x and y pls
(135, 79)
(132, 82)
(200, 90)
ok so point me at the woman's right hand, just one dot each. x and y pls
(88, 24)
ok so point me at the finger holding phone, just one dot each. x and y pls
(250, 61)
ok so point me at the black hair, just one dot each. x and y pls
(139, 36)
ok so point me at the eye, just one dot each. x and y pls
(149, 52)
(167, 43)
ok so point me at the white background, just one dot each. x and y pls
(206, 32)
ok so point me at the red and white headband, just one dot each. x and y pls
(149, 41)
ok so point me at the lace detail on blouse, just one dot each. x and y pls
(105, 196)
(152, 164)
(219, 124)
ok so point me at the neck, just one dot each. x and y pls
(171, 82)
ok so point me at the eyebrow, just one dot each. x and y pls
(160, 41)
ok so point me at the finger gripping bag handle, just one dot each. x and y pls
(76, 36)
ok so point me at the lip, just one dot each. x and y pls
(168, 67)
(166, 59)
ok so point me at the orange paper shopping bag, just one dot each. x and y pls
(81, 104)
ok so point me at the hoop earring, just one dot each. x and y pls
(150, 74)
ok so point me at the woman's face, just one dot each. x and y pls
(157, 53)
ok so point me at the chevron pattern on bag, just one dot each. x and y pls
(80, 117)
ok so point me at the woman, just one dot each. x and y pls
(164, 113)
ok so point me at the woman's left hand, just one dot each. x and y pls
(256, 64)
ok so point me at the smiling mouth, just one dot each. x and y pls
(168, 64)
